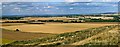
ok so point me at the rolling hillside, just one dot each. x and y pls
(73, 38)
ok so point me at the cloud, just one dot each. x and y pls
(90, 0)
(71, 0)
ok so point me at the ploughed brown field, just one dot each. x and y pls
(54, 28)
(9, 36)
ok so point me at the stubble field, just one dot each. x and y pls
(54, 28)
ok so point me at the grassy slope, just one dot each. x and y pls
(107, 38)
(104, 38)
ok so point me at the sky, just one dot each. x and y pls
(16, 9)
(57, 8)
(59, 0)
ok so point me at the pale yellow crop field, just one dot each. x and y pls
(55, 28)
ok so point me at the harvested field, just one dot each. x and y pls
(55, 28)
(11, 24)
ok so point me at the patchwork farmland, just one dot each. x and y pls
(70, 23)
(55, 33)
(15, 31)
(71, 38)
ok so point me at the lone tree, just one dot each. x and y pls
(17, 30)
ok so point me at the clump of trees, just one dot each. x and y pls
(12, 17)
(17, 30)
